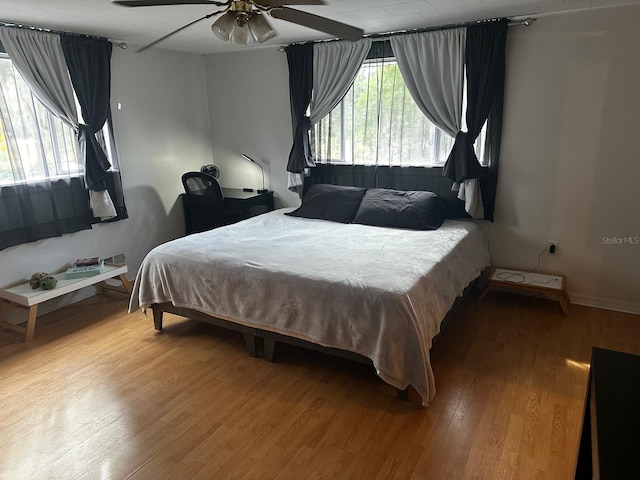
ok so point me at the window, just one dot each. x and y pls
(35, 145)
(378, 123)
(45, 145)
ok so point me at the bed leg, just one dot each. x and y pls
(269, 349)
(250, 341)
(157, 318)
(403, 394)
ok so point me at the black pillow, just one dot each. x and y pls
(416, 210)
(330, 202)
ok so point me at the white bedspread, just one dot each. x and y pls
(379, 292)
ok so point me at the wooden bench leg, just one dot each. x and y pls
(484, 293)
(126, 283)
(126, 287)
(564, 303)
(31, 323)
(27, 331)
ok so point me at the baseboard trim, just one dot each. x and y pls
(606, 304)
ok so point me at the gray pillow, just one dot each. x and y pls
(330, 202)
(416, 210)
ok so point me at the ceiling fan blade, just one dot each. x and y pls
(280, 3)
(323, 24)
(153, 3)
(178, 30)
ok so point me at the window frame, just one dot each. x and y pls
(382, 50)
(105, 138)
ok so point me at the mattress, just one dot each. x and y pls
(379, 292)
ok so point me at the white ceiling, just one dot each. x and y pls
(140, 26)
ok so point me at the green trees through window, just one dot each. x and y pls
(378, 123)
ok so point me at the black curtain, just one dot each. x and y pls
(31, 212)
(113, 181)
(489, 181)
(485, 68)
(300, 59)
(89, 64)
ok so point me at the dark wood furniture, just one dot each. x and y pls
(205, 202)
(239, 200)
(610, 440)
(239, 205)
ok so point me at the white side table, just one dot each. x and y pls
(23, 296)
(521, 281)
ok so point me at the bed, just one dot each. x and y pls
(377, 292)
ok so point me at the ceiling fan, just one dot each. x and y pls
(242, 21)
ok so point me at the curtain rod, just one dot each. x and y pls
(121, 45)
(526, 22)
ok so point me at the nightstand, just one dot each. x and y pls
(522, 281)
(239, 205)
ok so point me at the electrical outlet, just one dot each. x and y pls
(553, 247)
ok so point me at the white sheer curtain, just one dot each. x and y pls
(335, 65)
(432, 66)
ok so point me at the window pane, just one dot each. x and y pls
(378, 122)
(34, 143)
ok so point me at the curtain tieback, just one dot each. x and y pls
(305, 123)
(96, 161)
(462, 163)
(463, 138)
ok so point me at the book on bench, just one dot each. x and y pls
(83, 271)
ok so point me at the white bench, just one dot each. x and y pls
(23, 296)
(539, 283)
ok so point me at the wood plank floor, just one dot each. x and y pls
(100, 395)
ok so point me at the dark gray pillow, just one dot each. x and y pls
(330, 202)
(415, 210)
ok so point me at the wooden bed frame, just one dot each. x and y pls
(261, 342)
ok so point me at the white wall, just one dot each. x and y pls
(569, 156)
(161, 131)
(250, 113)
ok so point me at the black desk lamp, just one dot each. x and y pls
(260, 190)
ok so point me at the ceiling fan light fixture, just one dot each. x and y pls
(241, 34)
(260, 28)
(243, 21)
(223, 27)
